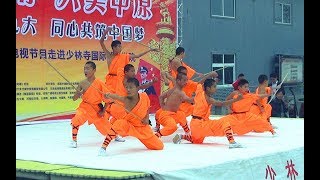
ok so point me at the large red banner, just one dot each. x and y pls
(66, 34)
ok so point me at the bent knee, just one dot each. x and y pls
(159, 146)
(75, 121)
(172, 128)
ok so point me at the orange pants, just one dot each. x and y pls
(143, 133)
(242, 123)
(204, 128)
(267, 111)
(169, 121)
(187, 108)
(101, 123)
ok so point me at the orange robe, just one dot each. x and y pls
(169, 120)
(189, 89)
(118, 62)
(264, 102)
(131, 125)
(242, 120)
(88, 108)
(117, 109)
(201, 126)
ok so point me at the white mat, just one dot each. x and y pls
(49, 142)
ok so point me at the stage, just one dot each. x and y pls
(262, 157)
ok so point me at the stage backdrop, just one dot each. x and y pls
(66, 33)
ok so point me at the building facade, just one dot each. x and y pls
(244, 35)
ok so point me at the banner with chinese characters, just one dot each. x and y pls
(54, 39)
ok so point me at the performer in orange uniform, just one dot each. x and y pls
(189, 89)
(201, 126)
(116, 60)
(90, 108)
(117, 111)
(136, 122)
(241, 119)
(177, 62)
(174, 64)
(262, 107)
(169, 115)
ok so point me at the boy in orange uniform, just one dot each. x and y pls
(136, 121)
(117, 110)
(201, 126)
(116, 60)
(189, 89)
(262, 107)
(174, 64)
(91, 108)
(169, 114)
(241, 119)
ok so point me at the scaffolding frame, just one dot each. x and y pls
(179, 23)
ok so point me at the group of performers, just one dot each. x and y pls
(117, 109)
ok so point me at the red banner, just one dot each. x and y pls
(66, 33)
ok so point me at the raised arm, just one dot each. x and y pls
(213, 74)
(150, 83)
(263, 95)
(172, 79)
(167, 77)
(141, 54)
(229, 97)
(186, 98)
(114, 97)
(224, 103)
(164, 77)
(78, 93)
(105, 50)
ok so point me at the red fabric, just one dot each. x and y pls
(235, 84)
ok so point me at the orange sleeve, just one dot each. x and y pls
(244, 104)
(190, 88)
